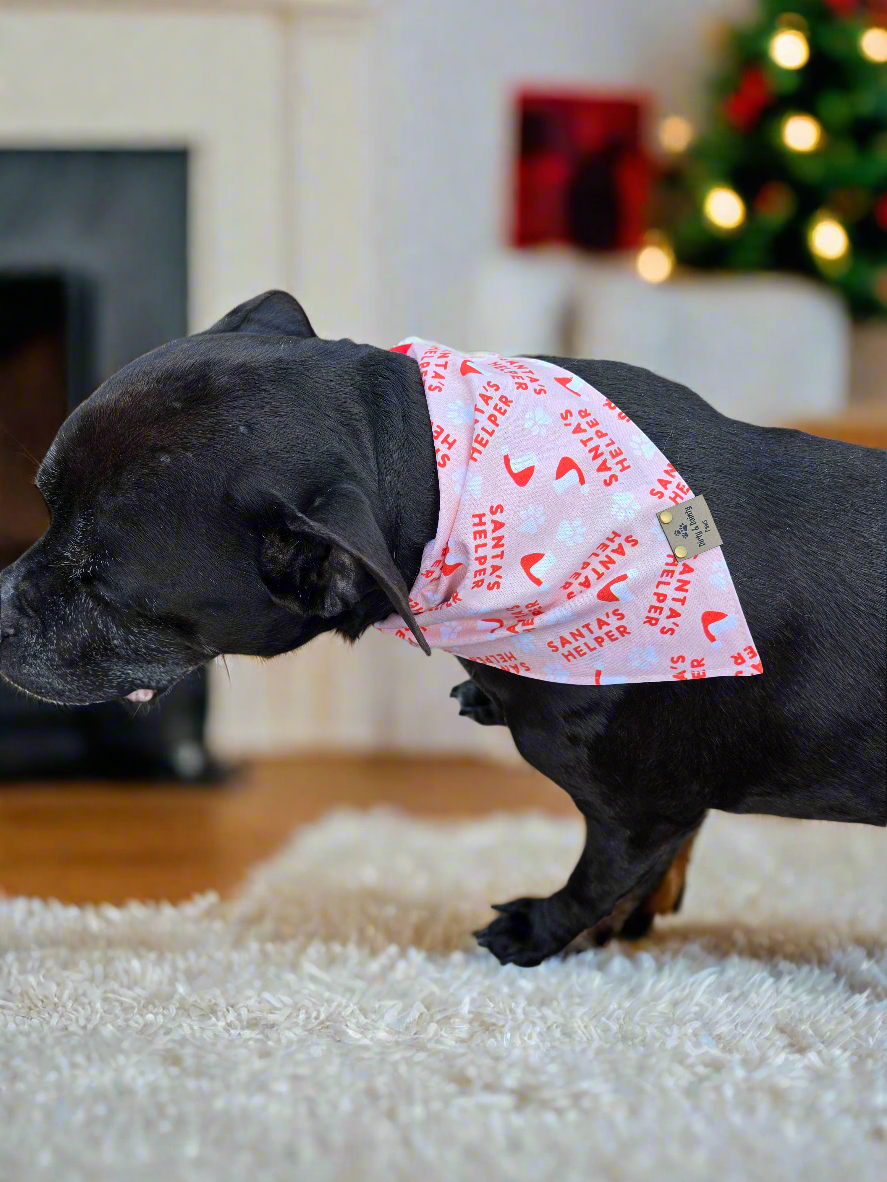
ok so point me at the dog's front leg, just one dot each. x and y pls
(616, 864)
(476, 705)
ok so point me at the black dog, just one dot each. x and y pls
(244, 489)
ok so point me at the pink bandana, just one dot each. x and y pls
(549, 559)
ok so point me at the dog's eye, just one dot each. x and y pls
(84, 571)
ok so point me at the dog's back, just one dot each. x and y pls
(802, 519)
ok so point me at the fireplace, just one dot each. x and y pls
(92, 273)
(37, 316)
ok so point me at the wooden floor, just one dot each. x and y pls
(866, 424)
(110, 843)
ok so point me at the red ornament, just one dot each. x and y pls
(843, 7)
(774, 200)
(881, 211)
(743, 108)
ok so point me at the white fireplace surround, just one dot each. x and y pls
(274, 100)
(270, 96)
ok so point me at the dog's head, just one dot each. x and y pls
(222, 494)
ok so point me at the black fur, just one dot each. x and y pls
(474, 704)
(247, 488)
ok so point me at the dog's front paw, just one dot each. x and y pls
(474, 704)
(520, 935)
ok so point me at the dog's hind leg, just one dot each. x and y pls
(665, 899)
(618, 865)
(634, 916)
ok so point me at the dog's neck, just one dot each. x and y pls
(396, 411)
(407, 461)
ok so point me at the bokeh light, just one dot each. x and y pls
(801, 133)
(724, 208)
(789, 49)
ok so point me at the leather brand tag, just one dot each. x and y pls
(689, 528)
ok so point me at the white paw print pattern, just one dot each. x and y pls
(623, 506)
(718, 574)
(643, 658)
(571, 532)
(474, 484)
(641, 446)
(531, 518)
(449, 632)
(458, 412)
(537, 421)
(555, 672)
(525, 642)
(566, 611)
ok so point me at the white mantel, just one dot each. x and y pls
(272, 98)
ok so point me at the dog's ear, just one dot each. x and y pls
(320, 562)
(271, 314)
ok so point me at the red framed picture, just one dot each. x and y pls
(582, 175)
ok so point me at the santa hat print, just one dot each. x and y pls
(714, 624)
(534, 566)
(521, 468)
(568, 475)
(616, 590)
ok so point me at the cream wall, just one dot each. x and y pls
(447, 74)
(334, 144)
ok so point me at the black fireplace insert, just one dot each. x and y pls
(77, 230)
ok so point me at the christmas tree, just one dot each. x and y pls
(791, 175)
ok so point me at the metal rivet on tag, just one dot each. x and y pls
(689, 528)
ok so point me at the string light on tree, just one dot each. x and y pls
(724, 208)
(873, 44)
(828, 239)
(675, 133)
(801, 133)
(789, 49)
(655, 259)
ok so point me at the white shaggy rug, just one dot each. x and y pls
(336, 1022)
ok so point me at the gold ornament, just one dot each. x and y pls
(792, 20)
